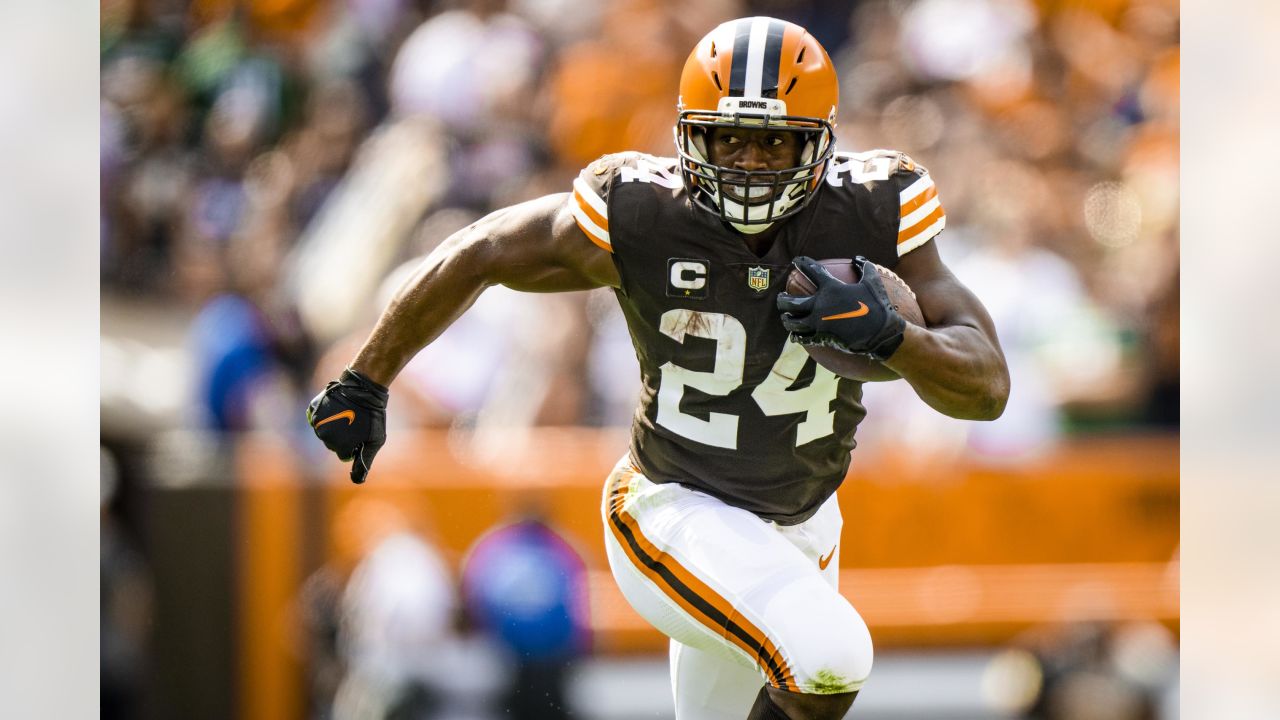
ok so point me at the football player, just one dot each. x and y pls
(722, 528)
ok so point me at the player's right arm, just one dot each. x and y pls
(536, 246)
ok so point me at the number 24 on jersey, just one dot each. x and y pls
(774, 395)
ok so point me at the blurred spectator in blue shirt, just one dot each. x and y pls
(233, 354)
(524, 584)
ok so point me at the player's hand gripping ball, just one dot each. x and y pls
(848, 319)
(350, 416)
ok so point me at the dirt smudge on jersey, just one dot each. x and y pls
(693, 323)
(826, 682)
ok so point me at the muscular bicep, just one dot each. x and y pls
(956, 364)
(945, 300)
(537, 246)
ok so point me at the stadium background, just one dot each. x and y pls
(266, 166)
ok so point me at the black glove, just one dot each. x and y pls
(854, 317)
(350, 416)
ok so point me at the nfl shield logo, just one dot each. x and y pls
(758, 278)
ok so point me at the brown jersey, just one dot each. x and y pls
(728, 405)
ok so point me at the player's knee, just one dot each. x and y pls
(849, 657)
(841, 659)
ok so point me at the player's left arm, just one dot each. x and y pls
(955, 364)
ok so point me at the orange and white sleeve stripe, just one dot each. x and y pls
(921, 216)
(591, 213)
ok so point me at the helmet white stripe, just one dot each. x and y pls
(755, 57)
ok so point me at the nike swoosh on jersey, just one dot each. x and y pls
(823, 562)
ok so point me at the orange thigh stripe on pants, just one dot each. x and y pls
(686, 590)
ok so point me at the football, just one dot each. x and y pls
(847, 365)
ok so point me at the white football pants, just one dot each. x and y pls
(745, 601)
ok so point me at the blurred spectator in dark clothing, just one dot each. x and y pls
(229, 63)
(525, 585)
(145, 168)
(1164, 345)
(320, 617)
(1085, 671)
(140, 28)
(125, 610)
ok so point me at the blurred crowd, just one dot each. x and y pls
(1086, 671)
(391, 631)
(390, 625)
(272, 167)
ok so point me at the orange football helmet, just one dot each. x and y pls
(756, 73)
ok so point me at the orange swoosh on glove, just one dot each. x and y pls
(348, 415)
(862, 310)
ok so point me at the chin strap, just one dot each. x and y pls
(751, 229)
